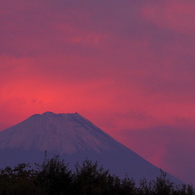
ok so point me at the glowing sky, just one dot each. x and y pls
(128, 66)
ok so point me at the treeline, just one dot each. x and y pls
(53, 177)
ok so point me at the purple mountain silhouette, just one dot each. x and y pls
(74, 138)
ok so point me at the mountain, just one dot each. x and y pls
(74, 138)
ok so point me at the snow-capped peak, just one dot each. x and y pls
(64, 133)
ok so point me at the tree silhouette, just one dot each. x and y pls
(53, 177)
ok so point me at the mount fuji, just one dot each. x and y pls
(73, 138)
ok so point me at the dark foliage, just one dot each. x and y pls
(53, 177)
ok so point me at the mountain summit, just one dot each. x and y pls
(74, 138)
(62, 133)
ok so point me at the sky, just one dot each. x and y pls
(128, 66)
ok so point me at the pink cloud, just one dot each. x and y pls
(78, 45)
(175, 15)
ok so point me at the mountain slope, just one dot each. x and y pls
(65, 133)
(74, 138)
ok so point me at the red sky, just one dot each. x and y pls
(128, 66)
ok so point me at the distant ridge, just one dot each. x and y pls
(74, 138)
